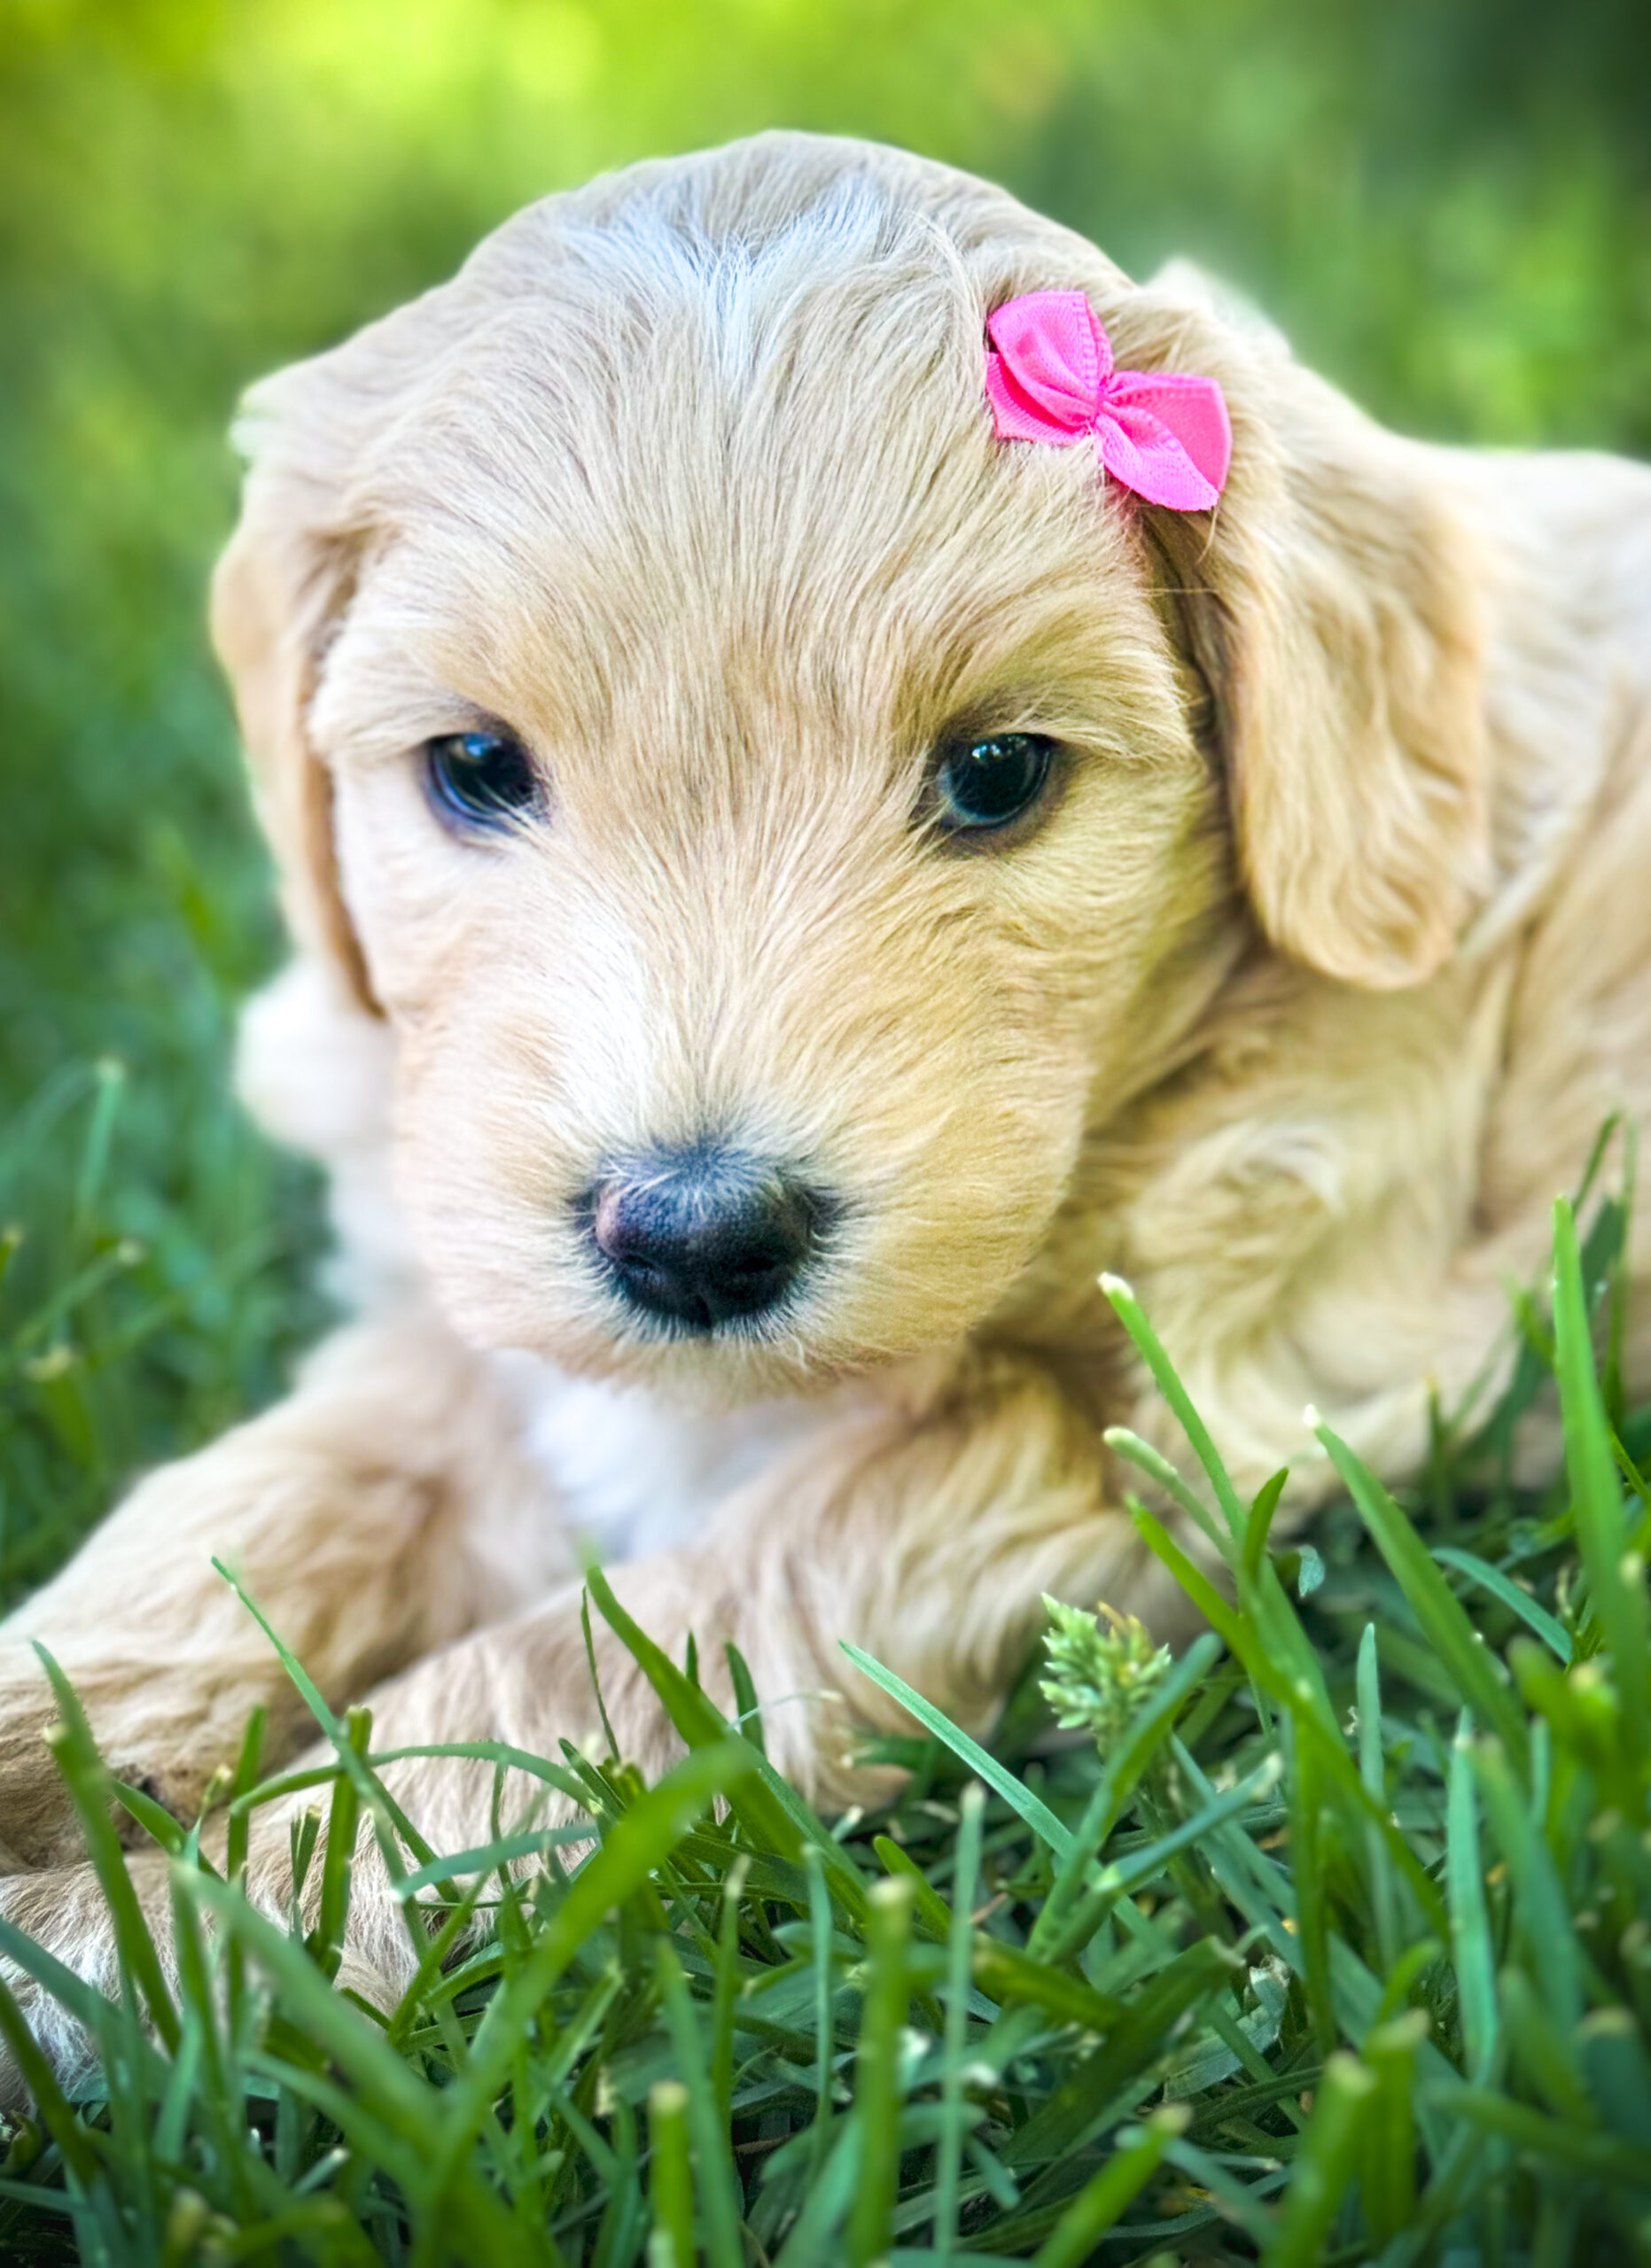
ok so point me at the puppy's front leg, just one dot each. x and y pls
(356, 1512)
(926, 1535)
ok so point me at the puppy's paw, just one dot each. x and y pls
(65, 1913)
(38, 1826)
(63, 1910)
(153, 1731)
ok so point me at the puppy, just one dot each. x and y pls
(788, 885)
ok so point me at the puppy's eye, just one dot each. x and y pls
(982, 785)
(481, 779)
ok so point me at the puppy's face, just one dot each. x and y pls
(765, 807)
(764, 802)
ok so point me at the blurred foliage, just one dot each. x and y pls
(1446, 202)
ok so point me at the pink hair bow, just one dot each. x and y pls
(1052, 379)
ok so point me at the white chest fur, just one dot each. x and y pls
(634, 1475)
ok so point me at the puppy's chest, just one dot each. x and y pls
(632, 1475)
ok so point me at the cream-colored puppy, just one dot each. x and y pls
(787, 887)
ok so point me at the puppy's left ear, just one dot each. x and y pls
(1335, 608)
(275, 597)
(279, 596)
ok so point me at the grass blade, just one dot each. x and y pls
(958, 1963)
(1020, 1799)
(1103, 2199)
(1130, 2047)
(876, 2070)
(748, 1711)
(1618, 1598)
(88, 1782)
(1554, 1955)
(1387, 2159)
(719, 2185)
(778, 1818)
(1323, 2167)
(1435, 1605)
(629, 1852)
(1531, 1612)
(1244, 1644)
(1120, 1774)
(53, 2106)
(672, 2244)
(1158, 1469)
(824, 1994)
(1373, 1772)
(1127, 1309)
(1470, 1921)
(726, 1990)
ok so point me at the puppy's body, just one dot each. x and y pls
(1307, 991)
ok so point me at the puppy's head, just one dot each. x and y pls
(773, 817)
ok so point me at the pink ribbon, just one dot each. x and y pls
(1051, 379)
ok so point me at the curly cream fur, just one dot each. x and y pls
(1297, 1008)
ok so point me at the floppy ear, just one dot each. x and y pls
(1333, 608)
(312, 435)
(279, 592)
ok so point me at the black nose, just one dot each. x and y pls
(704, 1235)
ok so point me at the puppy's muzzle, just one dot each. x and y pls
(703, 1235)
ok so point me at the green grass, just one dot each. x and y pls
(1331, 1946)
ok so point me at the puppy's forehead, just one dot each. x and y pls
(781, 453)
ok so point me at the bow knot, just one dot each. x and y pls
(1052, 378)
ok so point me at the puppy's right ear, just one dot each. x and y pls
(1334, 606)
(280, 591)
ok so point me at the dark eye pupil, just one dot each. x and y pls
(480, 777)
(987, 783)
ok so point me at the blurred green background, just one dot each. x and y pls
(1448, 204)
